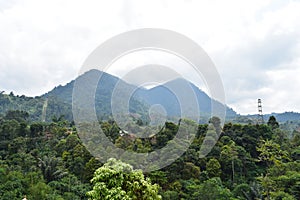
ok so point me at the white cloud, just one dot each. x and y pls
(255, 44)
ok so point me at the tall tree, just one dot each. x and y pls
(50, 168)
(273, 122)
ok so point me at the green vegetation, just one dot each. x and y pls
(38, 108)
(46, 160)
(117, 180)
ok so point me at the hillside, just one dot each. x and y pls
(38, 108)
(103, 93)
(164, 96)
(59, 100)
(280, 117)
(48, 160)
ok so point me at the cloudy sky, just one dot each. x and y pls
(254, 44)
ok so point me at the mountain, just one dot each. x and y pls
(142, 98)
(103, 92)
(286, 116)
(59, 100)
(168, 95)
(39, 108)
(291, 117)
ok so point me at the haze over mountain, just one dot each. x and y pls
(164, 96)
(142, 98)
(59, 100)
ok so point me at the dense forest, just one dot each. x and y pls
(46, 160)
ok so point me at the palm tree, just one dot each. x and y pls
(49, 168)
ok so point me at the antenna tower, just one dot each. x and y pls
(260, 113)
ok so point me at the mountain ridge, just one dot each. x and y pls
(59, 100)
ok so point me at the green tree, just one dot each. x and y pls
(12, 185)
(212, 189)
(69, 187)
(190, 171)
(50, 168)
(117, 180)
(36, 129)
(267, 184)
(90, 168)
(271, 153)
(281, 196)
(229, 158)
(40, 191)
(273, 122)
(17, 115)
(213, 168)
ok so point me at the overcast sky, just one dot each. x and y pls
(254, 44)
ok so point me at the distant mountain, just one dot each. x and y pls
(59, 100)
(103, 93)
(286, 116)
(280, 117)
(167, 96)
(142, 99)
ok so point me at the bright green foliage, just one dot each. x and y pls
(117, 180)
(29, 164)
(47, 160)
(282, 181)
(281, 196)
(212, 189)
(213, 168)
(229, 159)
(271, 153)
(39, 191)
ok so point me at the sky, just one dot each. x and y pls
(254, 44)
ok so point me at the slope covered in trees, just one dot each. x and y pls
(59, 100)
(46, 160)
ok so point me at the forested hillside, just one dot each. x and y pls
(59, 100)
(38, 108)
(46, 160)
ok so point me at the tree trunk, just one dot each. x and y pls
(232, 166)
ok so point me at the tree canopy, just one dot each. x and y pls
(47, 160)
(117, 180)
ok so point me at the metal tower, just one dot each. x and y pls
(260, 113)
